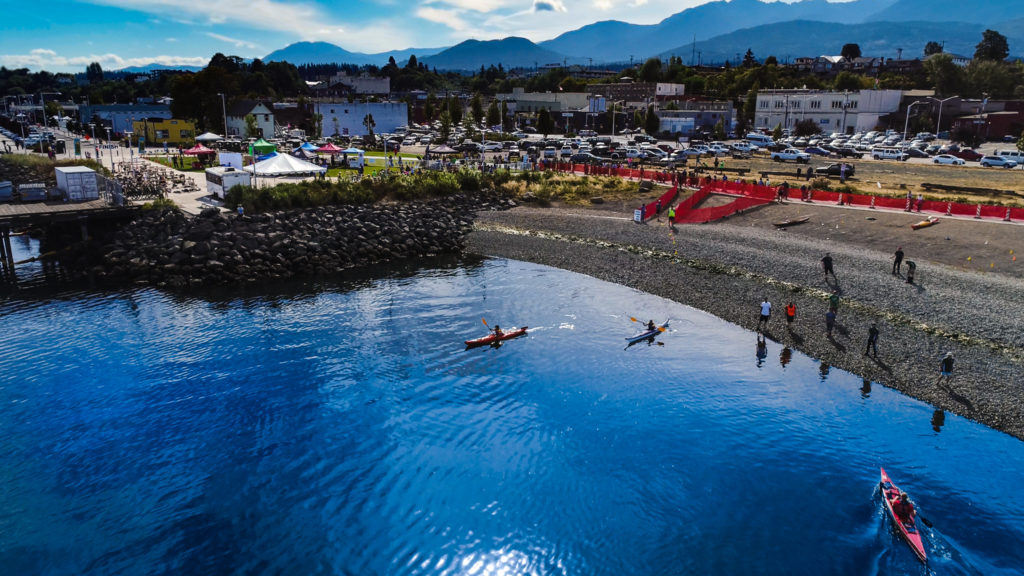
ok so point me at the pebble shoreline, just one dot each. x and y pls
(727, 270)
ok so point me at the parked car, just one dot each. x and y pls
(836, 169)
(585, 158)
(967, 154)
(997, 162)
(550, 152)
(948, 159)
(916, 152)
(886, 153)
(566, 151)
(791, 154)
(817, 151)
(848, 152)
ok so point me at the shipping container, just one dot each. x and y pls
(78, 183)
(32, 192)
(6, 191)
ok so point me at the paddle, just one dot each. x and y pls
(660, 328)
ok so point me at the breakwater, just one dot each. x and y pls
(168, 249)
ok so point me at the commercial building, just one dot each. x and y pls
(638, 93)
(121, 117)
(363, 84)
(696, 117)
(172, 132)
(346, 118)
(523, 102)
(832, 111)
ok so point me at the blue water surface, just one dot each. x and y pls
(343, 428)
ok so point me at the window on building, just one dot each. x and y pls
(837, 104)
(764, 103)
(853, 104)
(815, 104)
(161, 134)
(186, 133)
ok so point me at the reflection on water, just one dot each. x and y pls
(938, 420)
(762, 349)
(865, 388)
(823, 370)
(785, 356)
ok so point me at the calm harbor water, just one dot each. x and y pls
(342, 428)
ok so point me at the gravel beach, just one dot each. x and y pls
(973, 308)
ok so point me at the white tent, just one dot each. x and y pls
(208, 137)
(285, 165)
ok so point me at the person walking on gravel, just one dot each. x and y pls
(897, 262)
(833, 301)
(790, 315)
(766, 313)
(830, 322)
(826, 265)
(946, 368)
(872, 340)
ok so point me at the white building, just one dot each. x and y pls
(263, 114)
(362, 84)
(531, 102)
(832, 111)
(669, 90)
(346, 118)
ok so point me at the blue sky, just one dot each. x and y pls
(64, 36)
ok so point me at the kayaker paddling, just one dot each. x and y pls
(651, 325)
(497, 331)
(904, 508)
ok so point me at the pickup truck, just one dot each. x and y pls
(791, 154)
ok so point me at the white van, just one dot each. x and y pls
(761, 140)
(1015, 155)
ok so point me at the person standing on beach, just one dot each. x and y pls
(897, 263)
(766, 313)
(830, 322)
(920, 201)
(826, 265)
(946, 368)
(833, 301)
(872, 340)
(790, 315)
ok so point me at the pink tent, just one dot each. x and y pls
(199, 150)
(329, 148)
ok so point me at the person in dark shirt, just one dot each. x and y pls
(897, 262)
(946, 368)
(872, 340)
(826, 265)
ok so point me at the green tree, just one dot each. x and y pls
(545, 125)
(771, 61)
(719, 130)
(430, 107)
(850, 51)
(252, 129)
(806, 127)
(749, 108)
(1020, 142)
(369, 124)
(945, 77)
(967, 136)
(989, 77)
(493, 114)
(455, 109)
(651, 70)
(476, 108)
(94, 73)
(652, 125)
(318, 125)
(469, 127)
(932, 47)
(445, 131)
(748, 59)
(506, 118)
(777, 133)
(847, 81)
(993, 46)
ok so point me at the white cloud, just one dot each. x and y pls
(548, 6)
(171, 39)
(449, 18)
(238, 43)
(290, 17)
(49, 60)
(484, 6)
(603, 5)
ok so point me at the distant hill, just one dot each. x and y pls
(975, 12)
(614, 41)
(788, 40)
(510, 52)
(326, 53)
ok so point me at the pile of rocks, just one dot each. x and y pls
(167, 248)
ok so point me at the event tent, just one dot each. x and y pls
(308, 147)
(199, 150)
(261, 146)
(284, 165)
(303, 153)
(442, 149)
(330, 148)
(351, 150)
(208, 137)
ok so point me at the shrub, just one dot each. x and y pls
(160, 204)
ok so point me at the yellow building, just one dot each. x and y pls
(158, 130)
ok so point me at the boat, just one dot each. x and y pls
(908, 530)
(492, 337)
(647, 334)
(925, 223)
(792, 221)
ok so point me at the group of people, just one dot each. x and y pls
(871, 348)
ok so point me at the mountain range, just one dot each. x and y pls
(719, 30)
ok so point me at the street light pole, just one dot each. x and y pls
(938, 124)
(224, 111)
(906, 124)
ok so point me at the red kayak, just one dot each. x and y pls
(908, 530)
(492, 337)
